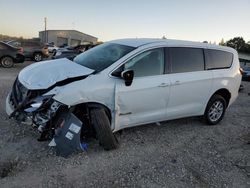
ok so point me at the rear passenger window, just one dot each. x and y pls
(186, 59)
(217, 59)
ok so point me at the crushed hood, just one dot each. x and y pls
(45, 74)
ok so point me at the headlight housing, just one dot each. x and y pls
(38, 103)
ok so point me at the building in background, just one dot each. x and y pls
(66, 37)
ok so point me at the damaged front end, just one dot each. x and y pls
(54, 120)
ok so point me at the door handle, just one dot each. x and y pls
(177, 82)
(163, 85)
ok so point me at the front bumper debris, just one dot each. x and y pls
(67, 136)
(46, 115)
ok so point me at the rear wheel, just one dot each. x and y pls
(215, 110)
(7, 62)
(38, 57)
(101, 123)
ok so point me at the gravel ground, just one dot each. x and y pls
(178, 153)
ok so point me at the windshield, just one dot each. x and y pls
(102, 56)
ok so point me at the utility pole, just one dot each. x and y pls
(45, 30)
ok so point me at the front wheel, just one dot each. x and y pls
(101, 123)
(38, 57)
(7, 62)
(215, 110)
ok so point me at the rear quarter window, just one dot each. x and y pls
(218, 59)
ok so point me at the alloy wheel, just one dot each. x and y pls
(38, 57)
(7, 62)
(216, 111)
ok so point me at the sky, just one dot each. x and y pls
(195, 20)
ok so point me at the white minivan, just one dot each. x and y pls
(125, 83)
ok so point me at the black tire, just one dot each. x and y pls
(38, 57)
(7, 62)
(215, 110)
(54, 52)
(101, 123)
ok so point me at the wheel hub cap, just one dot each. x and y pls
(38, 57)
(7, 61)
(216, 110)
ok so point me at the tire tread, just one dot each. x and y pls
(101, 124)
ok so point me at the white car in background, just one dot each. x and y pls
(52, 48)
(125, 83)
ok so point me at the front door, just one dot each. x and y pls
(144, 101)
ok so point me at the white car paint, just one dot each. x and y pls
(42, 75)
(148, 99)
(52, 48)
(197, 89)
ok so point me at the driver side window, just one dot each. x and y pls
(148, 63)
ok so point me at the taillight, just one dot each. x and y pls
(20, 50)
(241, 71)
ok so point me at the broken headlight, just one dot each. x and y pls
(42, 110)
(39, 103)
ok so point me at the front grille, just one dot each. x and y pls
(18, 93)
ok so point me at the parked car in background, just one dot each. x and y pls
(125, 83)
(52, 48)
(14, 43)
(32, 49)
(35, 50)
(10, 55)
(71, 52)
(245, 70)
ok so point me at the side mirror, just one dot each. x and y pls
(128, 76)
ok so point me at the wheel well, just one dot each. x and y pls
(6, 56)
(224, 93)
(82, 111)
(98, 105)
(85, 107)
(37, 52)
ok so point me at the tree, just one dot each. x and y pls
(238, 43)
(222, 43)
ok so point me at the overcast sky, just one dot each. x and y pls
(196, 20)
